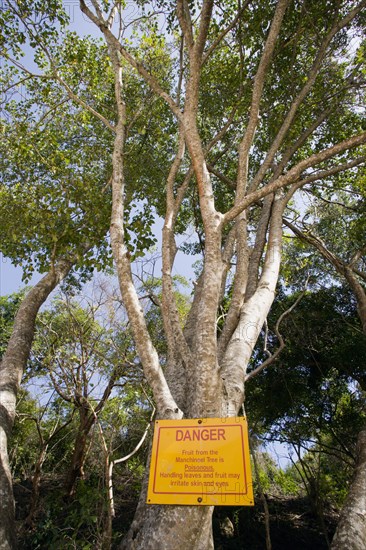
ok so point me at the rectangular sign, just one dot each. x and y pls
(203, 461)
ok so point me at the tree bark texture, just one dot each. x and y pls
(167, 527)
(351, 529)
(11, 370)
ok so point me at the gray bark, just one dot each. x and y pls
(11, 371)
(351, 529)
(167, 527)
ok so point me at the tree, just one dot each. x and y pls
(347, 263)
(43, 226)
(84, 364)
(247, 109)
(82, 350)
(312, 397)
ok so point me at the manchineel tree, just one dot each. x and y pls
(248, 104)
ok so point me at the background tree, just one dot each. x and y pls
(315, 388)
(54, 217)
(317, 230)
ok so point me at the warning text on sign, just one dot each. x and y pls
(201, 462)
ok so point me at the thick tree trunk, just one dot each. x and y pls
(11, 371)
(351, 530)
(169, 527)
(166, 527)
(7, 522)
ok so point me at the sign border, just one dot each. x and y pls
(210, 498)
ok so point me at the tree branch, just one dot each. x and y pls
(225, 31)
(293, 174)
(309, 81)
(343, 268)
(123, 459)
(256, 96)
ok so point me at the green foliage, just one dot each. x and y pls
(24, 443)
(8, 308)
(311, 398)
(78, 346)
(47, 19)
(273, 479)
(69, 525)
(51, 188)
(55, 199)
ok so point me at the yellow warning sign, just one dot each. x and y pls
(201, 462)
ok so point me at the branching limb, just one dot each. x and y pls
(239, 285)
(293, 174)
(149, 78)
(343, 268)
(252, 316)
(256, 97)
(225, 31)
(81, 102)
(309, 81)
(173, 329)
(230, 183)
(205, 21)
(227, 256)
(260, 241)
(185, 22)
(166, 405)
(323, 174)
(74, 97)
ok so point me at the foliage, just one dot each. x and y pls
(275, 480)
(310, 398)
(8, 307)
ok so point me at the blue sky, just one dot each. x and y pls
(11, 277)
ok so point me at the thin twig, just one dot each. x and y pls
(274, 356)
(123, 459)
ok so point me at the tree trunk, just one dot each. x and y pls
(76, 470)
(167, 527)
(36, 482)
(351, 530)
(11, 371)
(7, 519)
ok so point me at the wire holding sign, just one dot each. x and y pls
(201, 462)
